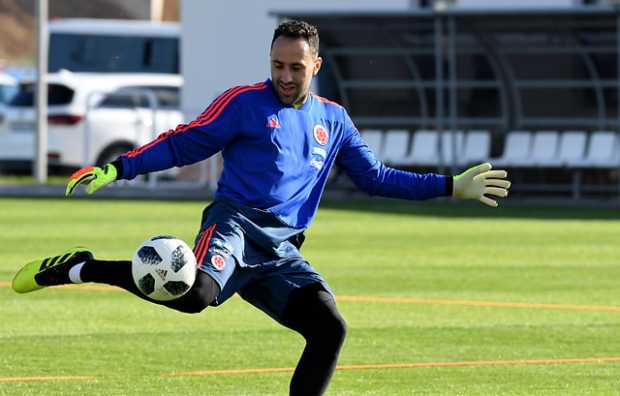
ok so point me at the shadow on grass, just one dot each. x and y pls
(442, 207)
(448, 208)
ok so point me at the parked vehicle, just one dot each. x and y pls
(92, 117)
(7, 90)
(113, 46)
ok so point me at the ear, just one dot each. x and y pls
(317, 65)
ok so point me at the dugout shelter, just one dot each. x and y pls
(536, 90)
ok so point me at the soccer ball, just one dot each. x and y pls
(163, 268)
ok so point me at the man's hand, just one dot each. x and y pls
(93, 177)
(480, 180)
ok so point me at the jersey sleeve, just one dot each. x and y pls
(372, 176)
(209, 133)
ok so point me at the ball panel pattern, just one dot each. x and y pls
(176, 288)
(147, 284)
(149, 255)
(177, 259)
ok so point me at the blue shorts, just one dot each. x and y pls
(250, 252)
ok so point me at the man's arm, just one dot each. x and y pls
(188, 143)
(373, 177)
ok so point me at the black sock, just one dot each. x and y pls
(118, 273)
(312, 312)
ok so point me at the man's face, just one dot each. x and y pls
(293, 64)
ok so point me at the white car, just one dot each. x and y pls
(92, 117)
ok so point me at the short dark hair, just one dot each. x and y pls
(298, 29)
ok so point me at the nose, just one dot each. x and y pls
(286, 76)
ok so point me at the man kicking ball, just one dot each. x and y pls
(279, 143)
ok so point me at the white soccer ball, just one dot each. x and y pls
(164, 268)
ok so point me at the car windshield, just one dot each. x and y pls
(56, 95)
(133, 96)
(6, 93)
(117, 54)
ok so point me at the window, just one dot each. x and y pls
(56, 95)
(167, 97)
(118, 54)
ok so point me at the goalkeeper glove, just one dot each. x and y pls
(480, 180)
(92, 176)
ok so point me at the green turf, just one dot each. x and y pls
(383, 248)
(24, 179)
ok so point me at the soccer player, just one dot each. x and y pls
(279, 143)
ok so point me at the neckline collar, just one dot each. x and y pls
(304, 106)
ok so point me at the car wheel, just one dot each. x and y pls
(111, 153)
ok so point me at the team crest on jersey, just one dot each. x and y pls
(218, 262)
(321, 135)
(273, 122)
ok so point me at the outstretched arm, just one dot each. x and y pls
(372, 176)
(188, 143)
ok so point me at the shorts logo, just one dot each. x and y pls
(218, 262)
(321, 135)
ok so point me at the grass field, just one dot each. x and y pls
(439, 299)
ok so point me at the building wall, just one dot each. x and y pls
(226, 42)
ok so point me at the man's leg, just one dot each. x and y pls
(118, 273)
(312, 312)
(78, 265)
(297, 298)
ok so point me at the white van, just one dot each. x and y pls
(113, 46)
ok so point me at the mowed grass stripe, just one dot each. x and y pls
(408, 300)
(49, 378)
(473, 363)
(499, 304)
(199, 373)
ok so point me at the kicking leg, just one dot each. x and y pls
(118, 273)
(78, 265)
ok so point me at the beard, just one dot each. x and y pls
(290, 94)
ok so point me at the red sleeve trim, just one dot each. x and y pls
(211, 114)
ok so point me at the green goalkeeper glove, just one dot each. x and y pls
(480, 180)
(92, 176)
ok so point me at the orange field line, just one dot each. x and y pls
(408, 300)
(474, 363)
(49, 378)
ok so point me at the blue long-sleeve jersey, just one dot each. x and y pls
(277, 157)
